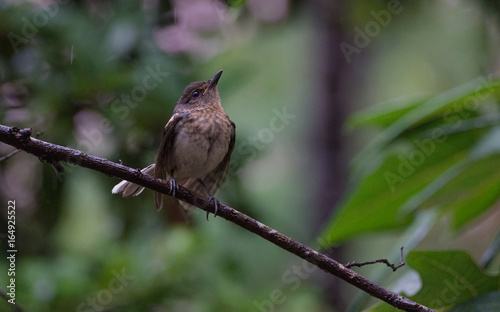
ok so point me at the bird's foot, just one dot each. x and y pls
(174, 187)
(211, 199)
(216, 204)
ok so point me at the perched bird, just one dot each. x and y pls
(195, 148)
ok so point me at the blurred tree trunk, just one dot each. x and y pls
(334, 90)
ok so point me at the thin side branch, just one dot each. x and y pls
(9, 155)
(383, 260)
(16, 151)
(56, 153)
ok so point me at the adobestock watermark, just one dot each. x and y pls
(451, 293)
(408, 164)
(453, 117)
(291, 279)
(102, 300)
(250, 147)
(126, 102)
(89, 139)
(31, 25)
(463, 109)
(363, 36)
(121, 106)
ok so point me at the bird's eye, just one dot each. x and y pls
(195, 94)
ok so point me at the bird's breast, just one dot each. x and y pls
(200, 145)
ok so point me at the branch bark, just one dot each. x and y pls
(54, 154)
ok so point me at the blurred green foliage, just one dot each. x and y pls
(426, 156)
(439, 154)
(97, 76)
(428, 173)
(448, 279)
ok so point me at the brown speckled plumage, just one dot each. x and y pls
(196, 145)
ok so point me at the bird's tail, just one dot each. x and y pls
(127, 189)
(175, 213)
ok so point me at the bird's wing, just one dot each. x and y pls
(215, 178)
(163, 155)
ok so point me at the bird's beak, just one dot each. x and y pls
(215, 80)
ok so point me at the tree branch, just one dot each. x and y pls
(54, 154)
(16, 151)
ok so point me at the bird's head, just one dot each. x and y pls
(200, 94)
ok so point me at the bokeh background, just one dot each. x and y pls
(362, 126)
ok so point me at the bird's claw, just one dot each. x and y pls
(173, 186)
(216, 204)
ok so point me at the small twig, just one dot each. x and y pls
(14, 152)
(25, 135)
(10, 154)
(383, 260)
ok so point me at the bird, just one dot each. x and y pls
(195, 148)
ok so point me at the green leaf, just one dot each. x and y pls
(474, 187)
(489, 302)
(481, 192)
(448, 279)
(375, 204)
(385, 114)
(428, 148)
(444, 105)
(450, 107)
